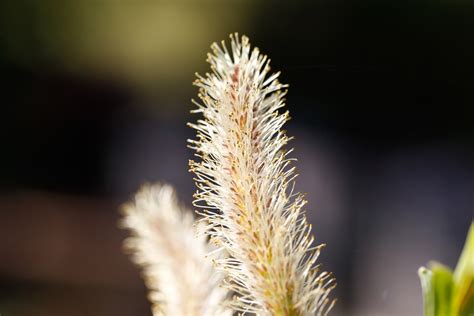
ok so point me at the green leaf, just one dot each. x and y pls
(437, 284)
(442, 283)
(446, 293)
(428, 293)
(463, 298)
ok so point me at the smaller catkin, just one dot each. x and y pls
(164, 243)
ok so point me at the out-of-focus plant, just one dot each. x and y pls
(163, 241)
(446, 293)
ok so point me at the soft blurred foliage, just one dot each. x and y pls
(448, 293)
(140, 42)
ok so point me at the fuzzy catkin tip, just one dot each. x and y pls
(245, 182)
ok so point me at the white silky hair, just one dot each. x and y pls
(174, 258)
(245, 182)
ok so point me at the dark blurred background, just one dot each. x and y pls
(95, 96)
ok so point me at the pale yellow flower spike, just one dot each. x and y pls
(181, 280)
(245, 186)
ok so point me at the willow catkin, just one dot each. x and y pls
(245, 186)
(164, 242)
